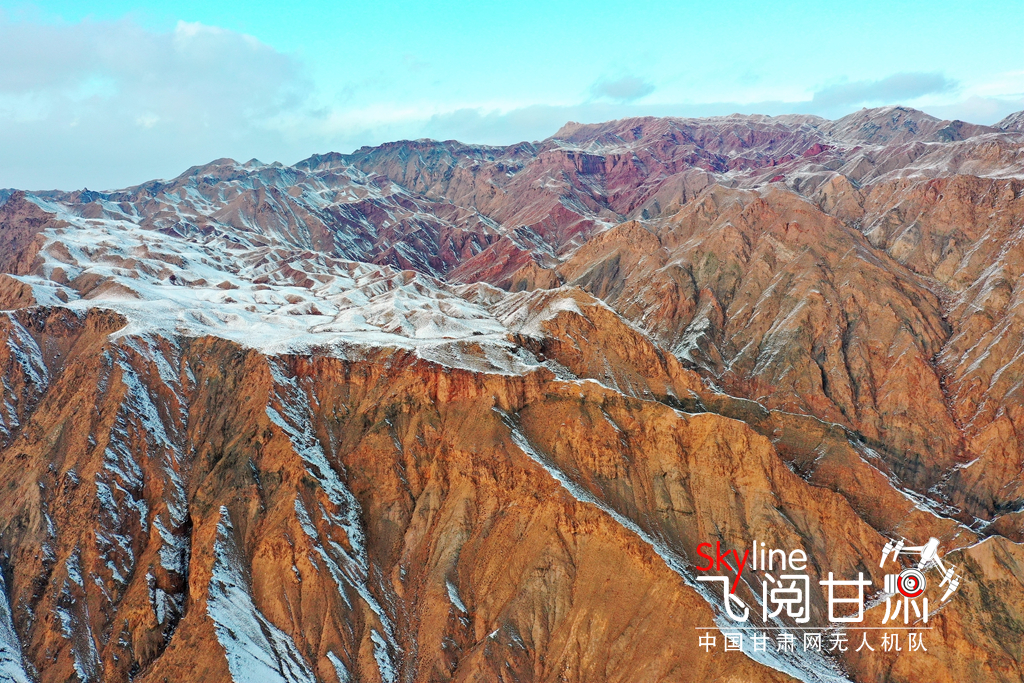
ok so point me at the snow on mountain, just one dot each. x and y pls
(582, 303)
(270, 297)
(257, 651)
(11, 668)
(1014, 123)
(342, 212)
(262, 296)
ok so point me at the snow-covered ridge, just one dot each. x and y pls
(257, 296)
(341, 212)
(273, 298)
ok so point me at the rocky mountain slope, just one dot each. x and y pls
(440, 412)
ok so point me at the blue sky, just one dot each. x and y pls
(107, 94)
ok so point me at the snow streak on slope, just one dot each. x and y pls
(257, 651)
(26, 354)
(804, 666)
(11, 669)
(293, 414)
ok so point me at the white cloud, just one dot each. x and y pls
(111, 100)
(623, 89)
(976, 109)
(899, 87)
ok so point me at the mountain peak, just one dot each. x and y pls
(896, 124)
(1014, 123)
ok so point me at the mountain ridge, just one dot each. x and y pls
(1009, 124)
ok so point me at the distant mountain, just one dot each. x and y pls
(1012, 123)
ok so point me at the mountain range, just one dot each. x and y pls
(432, 411)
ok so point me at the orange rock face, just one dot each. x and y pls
(436, 412)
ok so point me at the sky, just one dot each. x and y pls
(112, 93)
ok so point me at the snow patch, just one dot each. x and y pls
(257, 651)
(453, 596)
(340, 669)
(11, 668)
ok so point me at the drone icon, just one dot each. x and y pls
(929, 558)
